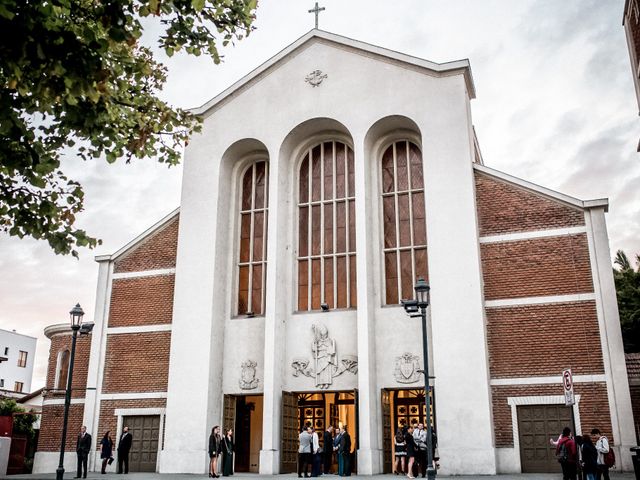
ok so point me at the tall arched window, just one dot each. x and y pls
(63, 369)
(403, 211)
(252, 261)
(327, 234)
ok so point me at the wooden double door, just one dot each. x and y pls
(145, 430)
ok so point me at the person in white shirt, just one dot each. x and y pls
(304, 452)
(602, 447)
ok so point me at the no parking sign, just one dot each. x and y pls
(567, 383)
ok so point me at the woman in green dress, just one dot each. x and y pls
(227, 453)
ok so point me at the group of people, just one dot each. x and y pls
(320, 458)
(220, 447)
(83, 447)
(580, 458)
(411, 448)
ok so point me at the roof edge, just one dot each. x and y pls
(57, 329)
(133, 243)
(545, 192)
(463, 64)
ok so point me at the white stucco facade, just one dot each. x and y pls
(11, 370)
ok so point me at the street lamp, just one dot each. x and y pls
(418, 308)
(75, 315)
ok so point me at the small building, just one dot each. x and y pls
(17, 352)
(321, 186)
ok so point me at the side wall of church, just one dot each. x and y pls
(541, 311)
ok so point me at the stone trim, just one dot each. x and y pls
(546, 380)
(139, 329)
(512, 237)
(514, 302)
(60, 401)
(145, 273)
(132, 396)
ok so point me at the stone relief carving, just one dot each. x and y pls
(315, 78)
(325, 366)
(248, 380)
(407, 369)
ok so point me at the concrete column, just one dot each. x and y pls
(460, 361)
(277, 309)
(611, 337)
(369, 425)
(198, 318)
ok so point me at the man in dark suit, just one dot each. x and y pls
(344, 453)
(83, 447)
(327, 450)
(124, 445)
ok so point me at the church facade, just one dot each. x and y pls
(322, 185)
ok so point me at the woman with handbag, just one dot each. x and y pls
(106, 451)
(215, 446)
(227, 453)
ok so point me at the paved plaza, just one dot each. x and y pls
(167, 476)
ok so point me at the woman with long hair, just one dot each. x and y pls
(411, 450)
(227, 453)
(106, 450)
(401, 452)
(215, 444)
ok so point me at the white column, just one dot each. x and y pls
(277, 308)
(611, 337)
(459, 343)
(91, 414)
(369, 424)
(194, 391)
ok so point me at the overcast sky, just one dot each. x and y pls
(555, 105)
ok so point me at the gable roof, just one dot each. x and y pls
(315, 35)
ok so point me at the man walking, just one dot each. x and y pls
(124, 445)
(327, 452)
(602, 447)
(304, 452)
(420, 437)
(83, 447)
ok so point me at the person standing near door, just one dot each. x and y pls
(106, 451)
(227, 453)
(344, 453)
(420, 437)
(304, 451)
(124, 446)
(215, 447)
(83, 447)
(327, 452)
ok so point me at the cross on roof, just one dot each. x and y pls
(316, 10)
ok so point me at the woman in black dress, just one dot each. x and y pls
(401, 452)
(106, 450)
(215, 445)
(411, 450)
(227, 453)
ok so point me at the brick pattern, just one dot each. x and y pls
(108, 419)
(542, 340)
(155, 252)
(505, 208)
(51, 427)
(137, 362)
(536, 267)
(80, 367)
(141, 301)
(594, 407)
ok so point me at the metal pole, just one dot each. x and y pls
(67, 402)
(431, 473)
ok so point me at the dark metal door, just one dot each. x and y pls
(386, 431)
(536, 425)
(289, 442)
(145, 430)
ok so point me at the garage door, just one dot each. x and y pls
(144, 448)
(536, 425)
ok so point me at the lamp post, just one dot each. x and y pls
(75, 315)
(418, 308)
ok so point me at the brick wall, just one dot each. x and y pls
(593, 407)
(137, 362)
(536, 267)
(541, 340)
(504, 208)
(51, 427)
(80, 368)
(108, 419)
(635, 406)
(155, 252)
(141, 301)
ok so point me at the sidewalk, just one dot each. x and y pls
(157, 476)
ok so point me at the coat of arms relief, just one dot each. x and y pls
(407, 368)
(324, 366)
(248, 380)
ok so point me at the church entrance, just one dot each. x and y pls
(401, 408)
(317, 410)
(243, 413)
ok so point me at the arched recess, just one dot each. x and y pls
(62, 369)
(393, 146)
(242, 226)
(315, 153)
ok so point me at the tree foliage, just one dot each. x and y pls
(74, 78)
(627, 282)
(23, 422)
